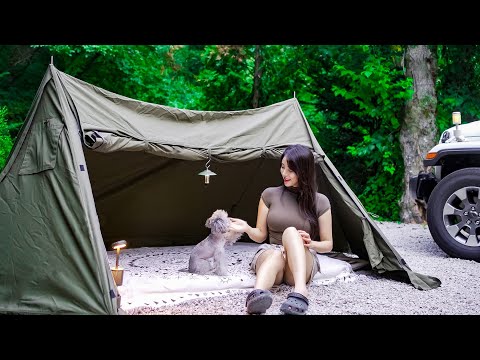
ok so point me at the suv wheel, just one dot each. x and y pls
(453, 214)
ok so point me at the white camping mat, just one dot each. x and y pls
(156, 276)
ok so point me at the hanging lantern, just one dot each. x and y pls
(207, 173)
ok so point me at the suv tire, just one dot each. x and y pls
(453, 214)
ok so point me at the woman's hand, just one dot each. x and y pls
(307, 241)
(238, 225)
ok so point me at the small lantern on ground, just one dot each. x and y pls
(117, 271)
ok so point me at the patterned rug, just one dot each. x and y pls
(157, 276)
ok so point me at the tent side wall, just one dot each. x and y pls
(47, 262)
(98, 265)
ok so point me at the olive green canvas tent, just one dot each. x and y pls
(91, 167)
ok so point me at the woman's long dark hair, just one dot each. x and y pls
(300, 161)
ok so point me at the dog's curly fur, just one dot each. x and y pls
(208, 256)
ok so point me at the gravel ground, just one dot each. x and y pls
(371, 294)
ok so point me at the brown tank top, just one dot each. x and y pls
(284, 211)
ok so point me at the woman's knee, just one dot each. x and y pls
(291, 234)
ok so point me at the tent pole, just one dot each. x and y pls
(51, 60)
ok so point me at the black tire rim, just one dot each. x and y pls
(461, 215)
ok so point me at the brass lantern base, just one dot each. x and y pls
(117, 273)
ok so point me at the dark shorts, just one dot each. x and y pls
(264, 247)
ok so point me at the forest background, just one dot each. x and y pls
(374, 109)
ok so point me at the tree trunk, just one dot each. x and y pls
(419, 131)
(257, 77)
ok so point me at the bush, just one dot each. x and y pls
(6, 141)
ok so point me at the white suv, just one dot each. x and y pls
(450, 190)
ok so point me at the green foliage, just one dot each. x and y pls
(378, 90)
(21, 70)
(457, 83)
(227, 77)
(6, 142)
(297, 70)
(381, 196)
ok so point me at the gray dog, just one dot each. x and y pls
(208, 256)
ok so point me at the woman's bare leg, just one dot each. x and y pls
(269, 269)
(299, 261)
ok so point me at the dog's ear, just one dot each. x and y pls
(208, 223)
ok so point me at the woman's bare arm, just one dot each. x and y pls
(326, 238)
(258, 233)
